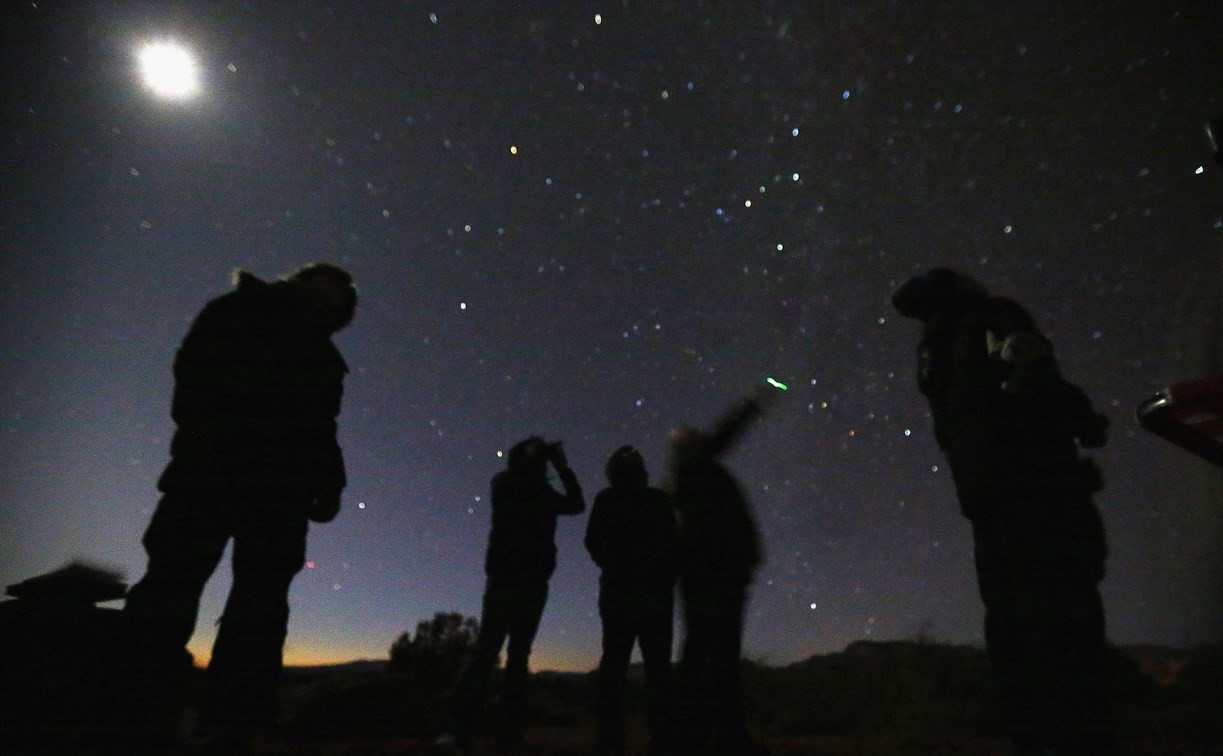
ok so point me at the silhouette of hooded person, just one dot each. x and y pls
(520, 560)
(632, 537)
(1011, 428)
(254, 458)
(719, 552)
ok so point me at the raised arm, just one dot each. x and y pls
(733, 424)
(571, 501)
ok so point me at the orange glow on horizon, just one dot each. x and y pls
(318, 657)
(304, 656)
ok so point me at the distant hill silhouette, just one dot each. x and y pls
(916, 688)
(357, 666)
(61, 677)
(923, 694)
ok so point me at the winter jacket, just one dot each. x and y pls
(258, 385)
(719, 540)
(632, 536)
(1008, 422)
(523, 538)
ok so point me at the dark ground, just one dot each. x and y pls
(873, 698)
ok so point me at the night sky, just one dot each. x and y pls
(596, 221)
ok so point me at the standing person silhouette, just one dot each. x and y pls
(632, 537)
(719, 552)
(520, 560)
(258, 385)
(1011, 428)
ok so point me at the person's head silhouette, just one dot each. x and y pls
(626, 469)
(330, 291)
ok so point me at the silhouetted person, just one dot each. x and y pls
(719, 553)
(1011, 428)
(632, 537)
(254, 458)
(520, 560)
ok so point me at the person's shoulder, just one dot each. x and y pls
(232, 309)
(617, 497)
(994, 313)
(997, 306)
(510, 482)
(247, 283)
(694, 463)
(502, 478)
(658, 495)
(249, 292)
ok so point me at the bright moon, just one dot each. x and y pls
(169, 70)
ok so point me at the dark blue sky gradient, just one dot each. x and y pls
(546, 209)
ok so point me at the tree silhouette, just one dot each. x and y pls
(433, 656)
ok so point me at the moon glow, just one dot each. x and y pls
(169, 70)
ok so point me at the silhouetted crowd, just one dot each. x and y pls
(258, 385)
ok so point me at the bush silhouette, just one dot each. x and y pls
(431, 659)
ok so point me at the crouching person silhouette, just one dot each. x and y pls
(632, 537)
(258, 385)
(520, 560)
